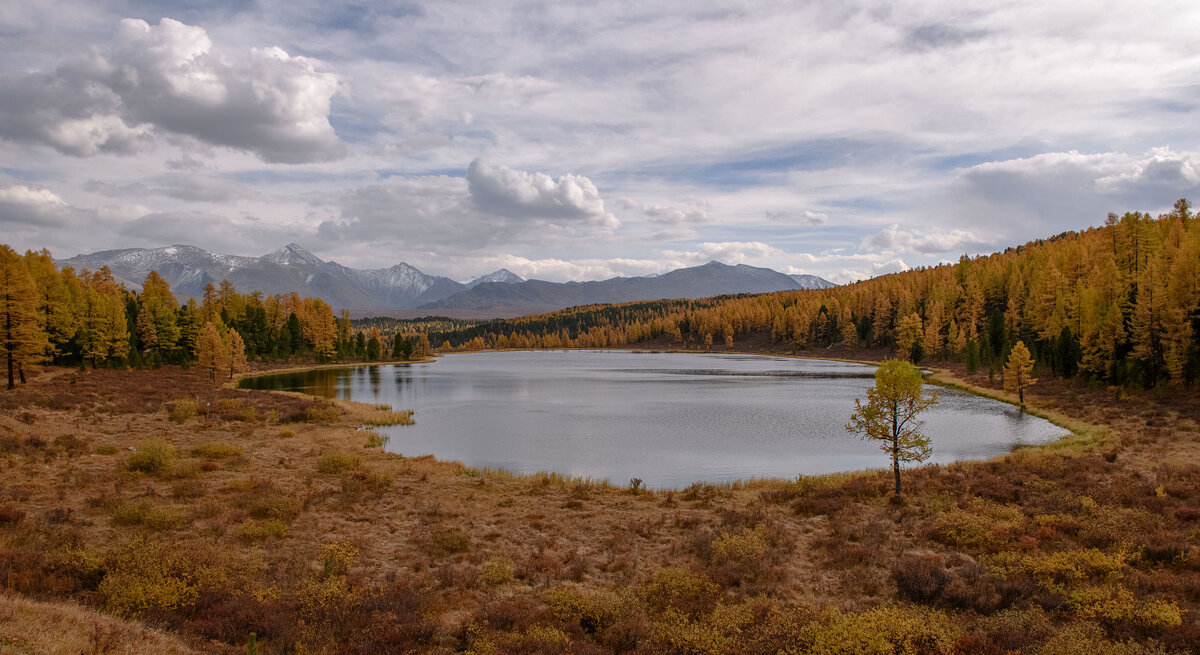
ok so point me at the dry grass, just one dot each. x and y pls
(313, 539)
(29, 627)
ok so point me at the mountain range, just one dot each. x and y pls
(402, 287)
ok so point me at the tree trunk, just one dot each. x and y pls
(896, 469)
(896, 446)
(21, 373)
(1021, 395)
(11, 384)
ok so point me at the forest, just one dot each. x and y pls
(1119, 304)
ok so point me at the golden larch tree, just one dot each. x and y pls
(237, 354)
(890, 414)
(1018, 371)
(212, 353)
(908, 334)
(21, 336)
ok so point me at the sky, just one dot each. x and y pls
(583, 140)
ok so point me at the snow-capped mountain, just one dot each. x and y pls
(812, 282)
(291, 268)
(503, 276)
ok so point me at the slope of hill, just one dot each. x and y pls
(710, 279)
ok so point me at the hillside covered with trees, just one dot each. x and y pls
(1119, 303)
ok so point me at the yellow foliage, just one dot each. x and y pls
(744, 549)
(497, 571)
(337, 558)
(672, 584)
(150, 575)
(886, 630)
(152, 457)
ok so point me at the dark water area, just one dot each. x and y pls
(670, 419)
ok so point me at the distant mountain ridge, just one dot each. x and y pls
(291, 268)
(711, 279)
(189, 269)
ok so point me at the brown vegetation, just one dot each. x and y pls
(219, 524)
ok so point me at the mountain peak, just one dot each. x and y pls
(293, 253)
(503, 276)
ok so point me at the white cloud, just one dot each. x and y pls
(166, 77)
(518, 194)
(892, 238)
(21, 203)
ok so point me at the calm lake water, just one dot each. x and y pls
(668, 418)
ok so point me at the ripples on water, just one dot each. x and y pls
(668, 418)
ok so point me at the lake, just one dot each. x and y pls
(670, 419)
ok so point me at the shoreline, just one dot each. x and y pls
(1080, 435)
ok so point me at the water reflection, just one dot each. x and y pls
(668, 418)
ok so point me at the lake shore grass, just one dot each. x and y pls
(264, 512)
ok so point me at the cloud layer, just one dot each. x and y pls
(574, 141)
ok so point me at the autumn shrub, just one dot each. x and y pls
(287, 434)
(182, 409)
(984, 525)
(187, 489)
(337, 558)
(337, 462)
(592, 610)
(1084, 637)
(497, 571)
(920, 579)
(448, 541)
(680, 589)
(70, 444)
(152, 457)
(231, 617)
(885, 630)
(1111, 605)
(271, 504)
(144, 576)
(323, 414)
(253, 531)
(374, 439)
(147, 514)
(106, 449)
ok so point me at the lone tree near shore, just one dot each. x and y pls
(1018, 371)
(890, 414)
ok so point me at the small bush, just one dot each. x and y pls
(216, 450)
(152, 457)
(287, 434)
(449, 541)
(497, 571)
(146, 514)
(920, 579)
(182, 409)
(323, 414)
(106, 449)
(374, 439)
(336, 463)
(274, 506)
(260, 530)
(337, 558)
